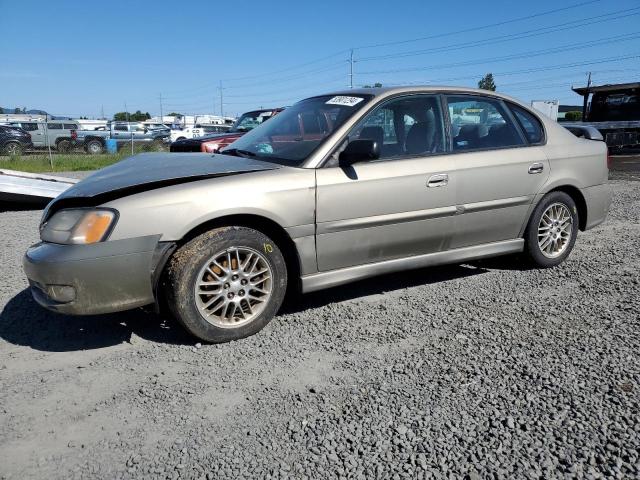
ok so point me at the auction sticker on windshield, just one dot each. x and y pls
(346, 101)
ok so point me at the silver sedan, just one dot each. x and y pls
(336, 188)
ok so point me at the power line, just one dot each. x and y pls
(482, 27)
(529, 54)
(341, 52)
(509, 37)
(527, 70)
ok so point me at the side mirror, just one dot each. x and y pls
(359, 150)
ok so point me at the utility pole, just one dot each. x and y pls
(586, 99)
(101, 112)
(161, 117)
(221, 105)
(351, 69)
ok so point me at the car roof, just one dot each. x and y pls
(389, 91)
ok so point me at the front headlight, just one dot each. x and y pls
(78, 226)
(210, 147)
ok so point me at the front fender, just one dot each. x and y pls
(285, 196)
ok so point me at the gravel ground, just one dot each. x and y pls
(482, 370)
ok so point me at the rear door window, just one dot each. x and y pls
(480, 123)
(29, 127)
(530, 124)
(70, 126)
(54, 126)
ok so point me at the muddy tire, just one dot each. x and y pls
(226, 284)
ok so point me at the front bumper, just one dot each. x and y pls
(92, 279)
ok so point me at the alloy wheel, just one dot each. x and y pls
(233, 287)
(554, 230)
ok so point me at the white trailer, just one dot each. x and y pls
(547, 107)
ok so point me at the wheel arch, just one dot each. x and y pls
(263, 224)
(577, 196)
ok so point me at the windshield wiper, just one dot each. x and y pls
(239, 153)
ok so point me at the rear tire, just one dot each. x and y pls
(94, 147)
(63, 146)
(552, 230)
(243, 270)
(13, 149)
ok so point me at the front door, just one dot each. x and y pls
(499, 167)
(402, 204)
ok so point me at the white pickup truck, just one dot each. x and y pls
(93, 141)
(197, 131)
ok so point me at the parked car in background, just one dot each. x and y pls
(198, 131)
(14, 140)
(215, 143)
(59, 134)
(318, 197)
(94, 141)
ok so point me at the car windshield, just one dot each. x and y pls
(250, 120)
(295, 133)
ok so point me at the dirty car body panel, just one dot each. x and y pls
(406, 210)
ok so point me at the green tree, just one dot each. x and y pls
(16, 110)
(487, 83)
(375, 85)
(174, 114)
(1, 110)
(136, 116)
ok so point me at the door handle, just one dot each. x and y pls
(536, 168)
(439, 180)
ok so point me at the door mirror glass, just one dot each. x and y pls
(359, 150)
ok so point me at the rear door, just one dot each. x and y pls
(498, 169)
(36, 130)
(120, 132)
(54, 131)
(400, 205)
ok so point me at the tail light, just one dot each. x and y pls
(609, 159)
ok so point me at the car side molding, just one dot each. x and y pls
(333, 278)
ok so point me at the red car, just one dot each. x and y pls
(215, 143)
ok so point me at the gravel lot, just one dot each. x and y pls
(483, 370)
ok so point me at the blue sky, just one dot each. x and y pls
(72, 58)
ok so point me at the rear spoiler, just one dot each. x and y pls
(584, 131)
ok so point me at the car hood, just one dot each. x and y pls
(148, 171)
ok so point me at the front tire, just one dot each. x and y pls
(94, 147)
(552, 230)
(226, 284)
(13, 149)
